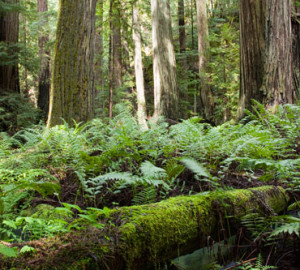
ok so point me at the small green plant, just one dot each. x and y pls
(257, 265)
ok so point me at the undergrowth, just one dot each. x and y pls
(117, 162)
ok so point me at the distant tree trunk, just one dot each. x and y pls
(9, 34)
(181, 25)
(73, 79)
(24, 89)
(126, 38)
(206, 96)
(192, 22)
(266, 53)
(116, 46)
(110, 62)
(164, 63)
(99, 50)
(183, 67)
(296, 46)
(138, 66)
(44, 72)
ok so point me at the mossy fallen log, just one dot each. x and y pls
(141, 237)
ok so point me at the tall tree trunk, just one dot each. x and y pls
(296, 46)
(206, 96)
(138, 66)
(9, 34)
(278, 84)
(266, 53)
(99, 52)
(192, 22)
(116, 47)
(73, 79)
(44, 72)
(24, 89)
(110, 62)
(181, 25)
(164, 63)
(183, 68)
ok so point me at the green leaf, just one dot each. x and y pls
(195, 167)
(8, 251)
(10, 224)
(26, 249)
(70, 206)
(151, 171)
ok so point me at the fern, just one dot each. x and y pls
(289, 228)
(286, 225)
(257, 266)
(196, 167)
(145, 196)
(150, 171)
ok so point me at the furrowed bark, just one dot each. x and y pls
(72, 85)
(268, 57)
(44, 71)
(166, 95)
(138, 67)
(206, 95)
(9, 34)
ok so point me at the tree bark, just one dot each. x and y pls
(116, 53)
(99, 50)
(206, 96)
(44, 71)
(266, 54)
(296, 46)
(146, 236)
(72, 85)
(138, 66)
(164, 64)
(9, 35)
(181, 25)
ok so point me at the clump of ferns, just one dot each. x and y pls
(279, 232)
(150, 182)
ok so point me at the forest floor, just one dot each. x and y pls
(114, 164)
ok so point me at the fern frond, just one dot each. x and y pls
(195, 167)
(147, 195)
(126, 177)
(288, 228)
(151, 171)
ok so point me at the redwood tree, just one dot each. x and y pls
(206, 96)
(72, 84)
(181, 26)
(9, 35)
(44, 71)
(115, 62)
(138, 66)
(164, 63)
(266, 53)
(296, 44)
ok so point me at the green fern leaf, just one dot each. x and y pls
(195, 167)
(151, 171)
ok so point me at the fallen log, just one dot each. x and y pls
(143, 237)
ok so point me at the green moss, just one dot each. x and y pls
(142, 235)
(157, 230)
(46, 211)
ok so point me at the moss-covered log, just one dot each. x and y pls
(139, 236)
